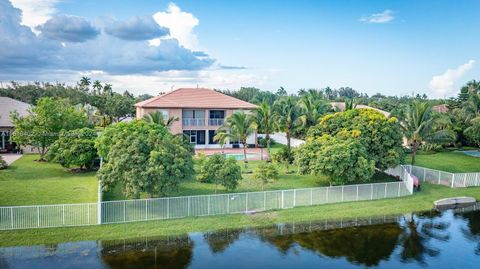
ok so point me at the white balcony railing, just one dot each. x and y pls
(216, 122)
(193, 122)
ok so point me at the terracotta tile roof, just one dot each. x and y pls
(195, 98)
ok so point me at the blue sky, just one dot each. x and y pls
(392, 47)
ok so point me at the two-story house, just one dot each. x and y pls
(201, 112)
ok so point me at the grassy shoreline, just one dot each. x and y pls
(418, 202)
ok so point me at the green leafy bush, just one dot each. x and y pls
(342, 160)
(219, 170)
(430, 147)
(74, 148)
(265, 172)
(143, 157)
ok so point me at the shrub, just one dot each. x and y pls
(342, 160)
(219, 170)
(430, 147)
(281, 157)
(74, 148)
(266, 172)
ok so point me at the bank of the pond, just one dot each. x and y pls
(417, 202)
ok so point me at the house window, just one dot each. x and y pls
(193, 114)
(217, 114)
(211, 134)
(196, 137)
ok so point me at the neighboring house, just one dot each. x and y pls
(201, 112)
(440, 108)
(8, 105)
(341, 107)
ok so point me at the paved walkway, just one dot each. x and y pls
(11, 157)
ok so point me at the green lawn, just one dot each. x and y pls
(27, 182)
(285, 181)
(449, 161)
(418, 202)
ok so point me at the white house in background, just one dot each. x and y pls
(340, 106)
(7, 106)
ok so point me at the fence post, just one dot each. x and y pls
(38, 216)
(188, 205)
(311, 196)
(465, 180)
(476, 178)
(246, 201)
(371, 192)
(168, 208)
(294, 198)
(63, 214)
(88, 213)
(453, 181)
(146, 209)
(124, 211)
(11, 215)
(283, 199)
(342, 193)
(327, 193)
(264, 200)
(439, 177)
(208, 206)
(385, 190)
(399, 186)
(228, 203)
(357, 194)
(424, 174)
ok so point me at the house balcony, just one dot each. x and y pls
(216, 122)
(193, 122)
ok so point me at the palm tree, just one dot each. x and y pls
(157, 118)
(84, 83)
(97, 87)
(314, 107)
(107, 89)
(240, 126)
(422, 126)
(221, 137)
(288, 119)
(265, 122)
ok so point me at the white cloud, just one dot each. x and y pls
(441, 85)
(383, 17)
(181, 25)
(35, 12)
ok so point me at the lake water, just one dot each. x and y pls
(449, 239)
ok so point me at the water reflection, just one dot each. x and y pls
(174, 252)
(433, 239)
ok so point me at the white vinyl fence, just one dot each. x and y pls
(453, 180)
(43, 216)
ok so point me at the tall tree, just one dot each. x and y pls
(313, 107)
(421, 125)
(85, 83)
(265, 122)
(42, 126)
(97, 87)
(288, 119)
(240, 127)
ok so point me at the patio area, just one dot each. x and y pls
(253, 154)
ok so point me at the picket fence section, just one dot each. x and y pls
(452, 180)
(44, 216)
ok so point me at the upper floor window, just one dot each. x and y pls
(217, 114)
(193, 114)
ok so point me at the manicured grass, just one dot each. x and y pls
(290, 180)
(449, 161)
(27, 182)
(418, 202)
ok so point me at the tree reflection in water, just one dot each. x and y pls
(473, 231)
(150, 253)
(366, 245)
(418, 230)
(221, 240)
